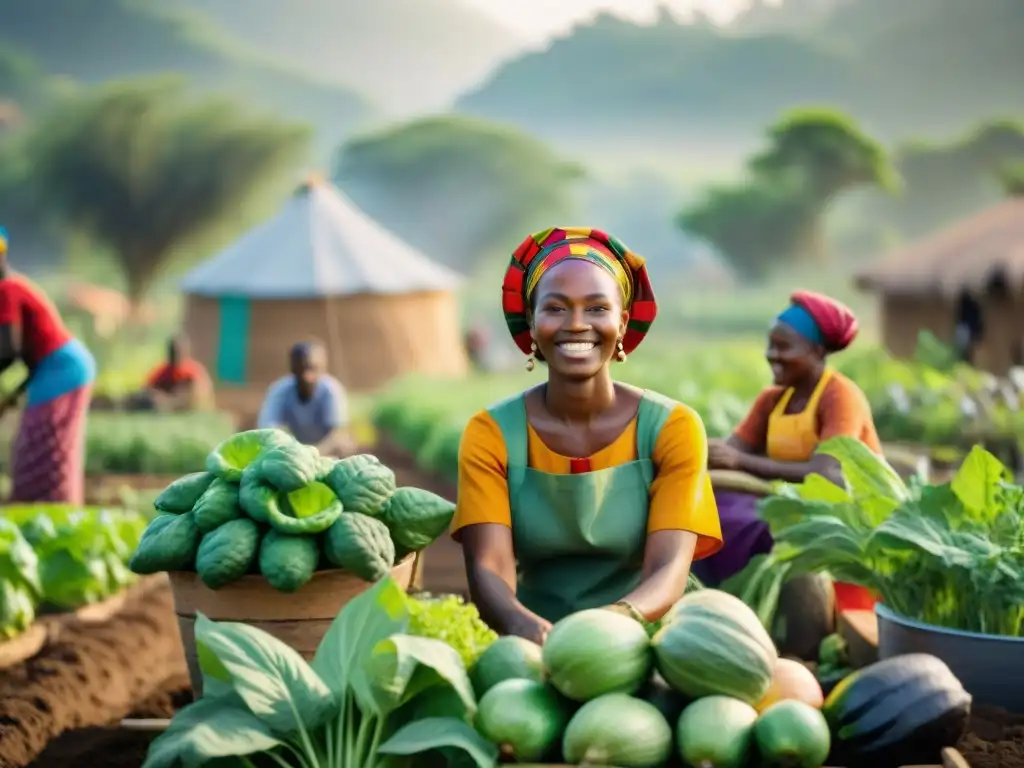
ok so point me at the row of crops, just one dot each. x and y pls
(927, 401)
(144, 444)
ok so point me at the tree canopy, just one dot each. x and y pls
(775, 214)
(141, 168)
(457, 188)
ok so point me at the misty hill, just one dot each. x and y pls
(410, 54)
(933, 66)
(101, 40)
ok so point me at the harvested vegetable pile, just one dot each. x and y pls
(268, 504)
(708, 689)
(59, 558)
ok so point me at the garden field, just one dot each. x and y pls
(927, 403)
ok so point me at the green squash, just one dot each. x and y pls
(525, 718)
(711, 643)
(594, 652)
(792, 734)
(716, 732)
(616, 729)
(507, 658)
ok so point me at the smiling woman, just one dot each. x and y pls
(581, 492)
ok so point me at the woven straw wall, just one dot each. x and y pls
(371, 339)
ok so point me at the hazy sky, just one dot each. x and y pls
(539, 19)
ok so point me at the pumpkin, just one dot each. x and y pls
(791, 680)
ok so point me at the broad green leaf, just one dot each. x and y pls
(209, 729)
(917, 535)
(781, 512)
(825, 533)
(403, 666)
(978, 483)
(375, 615)
(865, 472)
(19, 563)
(275, 682)
(817, 488)
(438, 733)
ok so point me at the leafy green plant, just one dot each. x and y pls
(950, 555)
(57, 557)
(348, 708)
(19, 581)
(452, 620)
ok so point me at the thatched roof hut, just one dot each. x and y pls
(977, 266)
(321, 268)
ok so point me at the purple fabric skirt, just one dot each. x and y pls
(744, 534)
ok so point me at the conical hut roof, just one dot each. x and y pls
(319, 244)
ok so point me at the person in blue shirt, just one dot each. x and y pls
(309, 403)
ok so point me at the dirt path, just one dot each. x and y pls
(91, 675)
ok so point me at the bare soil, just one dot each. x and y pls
(89, 676)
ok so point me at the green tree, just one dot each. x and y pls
(828, 150)
(755, 225)
(142, 169)
(458, 188)
(777, 213)
(1013, 180)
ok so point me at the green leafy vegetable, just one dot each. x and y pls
(287, 467)
(453, 621)
(229, 459)
(218, 505)
(261, 697)
(950, 555)
(360, 544)
(309, 510)
(169, 544)
(183, 493)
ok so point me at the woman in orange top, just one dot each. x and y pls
(580, 492)
(807, 404)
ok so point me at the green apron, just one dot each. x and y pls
(579, 538)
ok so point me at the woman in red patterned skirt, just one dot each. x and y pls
(49, 452)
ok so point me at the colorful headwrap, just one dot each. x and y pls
(821, 320)
(542, 250)
(3, 241)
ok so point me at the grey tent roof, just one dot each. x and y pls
(318, 244)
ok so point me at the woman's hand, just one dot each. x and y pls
(721, 455)
(528, 626)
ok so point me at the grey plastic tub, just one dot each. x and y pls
(989, 666)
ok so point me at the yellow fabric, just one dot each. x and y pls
(681, 494)
(793, 437)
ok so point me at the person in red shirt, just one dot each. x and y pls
(180, 383)
(49, 451)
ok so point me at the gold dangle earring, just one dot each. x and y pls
(620, 354)
(530, 364)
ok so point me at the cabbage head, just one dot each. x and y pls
(309, 510)
(229, 459)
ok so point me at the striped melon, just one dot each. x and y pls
(712, 644)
